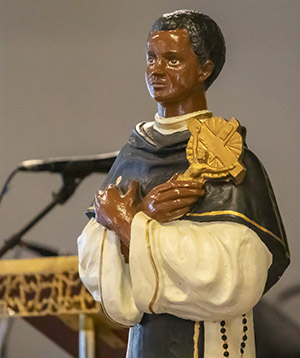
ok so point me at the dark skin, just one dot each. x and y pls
(174, 76)
(166, 202)
(175, 79)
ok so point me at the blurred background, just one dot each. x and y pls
(72, 83)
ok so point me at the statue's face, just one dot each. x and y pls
(173, 71)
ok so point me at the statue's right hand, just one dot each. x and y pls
(115, 210)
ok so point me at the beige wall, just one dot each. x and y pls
(72, 83)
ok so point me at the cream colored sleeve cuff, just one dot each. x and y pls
(106, 275)
(198, 271)
(88, 245)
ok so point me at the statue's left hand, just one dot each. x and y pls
(171, 200)
(115, 210)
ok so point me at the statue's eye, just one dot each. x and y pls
(174, 62)
(150, 61)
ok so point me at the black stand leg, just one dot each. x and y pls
(68, 188)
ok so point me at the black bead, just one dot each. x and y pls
(243, 344)
(222, 323)
(225, 345)
(245, 338)
(223, 330)
(244, 315)
(245, 328)
(226, 354)
(224, 337)
(244, 321)
(242, 351)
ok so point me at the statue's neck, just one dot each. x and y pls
(193, 103)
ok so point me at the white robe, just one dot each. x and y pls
(198, 271)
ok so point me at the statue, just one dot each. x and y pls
(185, 235)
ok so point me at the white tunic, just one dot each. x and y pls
(198, 271)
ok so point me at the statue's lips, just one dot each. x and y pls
(158, 84)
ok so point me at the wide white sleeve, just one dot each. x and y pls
(197, 271)
(104, 272)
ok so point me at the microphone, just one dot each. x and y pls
(79, 166)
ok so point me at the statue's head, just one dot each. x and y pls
(205, 37)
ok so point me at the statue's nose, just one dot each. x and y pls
(158, 67)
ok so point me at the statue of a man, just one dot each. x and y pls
(182, 262)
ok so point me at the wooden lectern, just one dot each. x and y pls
(48, 293)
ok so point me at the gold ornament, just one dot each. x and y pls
(214, 151)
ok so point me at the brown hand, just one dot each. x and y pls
(171, 200)
(115, 210)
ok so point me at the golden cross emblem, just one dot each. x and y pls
(214, 151)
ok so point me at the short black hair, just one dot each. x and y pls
(205, 36)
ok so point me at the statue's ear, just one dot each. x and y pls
(206, 70)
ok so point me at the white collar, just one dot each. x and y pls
(172, 125)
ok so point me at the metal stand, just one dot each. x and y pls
(86, 336)
(68, 188)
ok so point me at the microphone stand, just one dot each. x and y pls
(70, 184)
